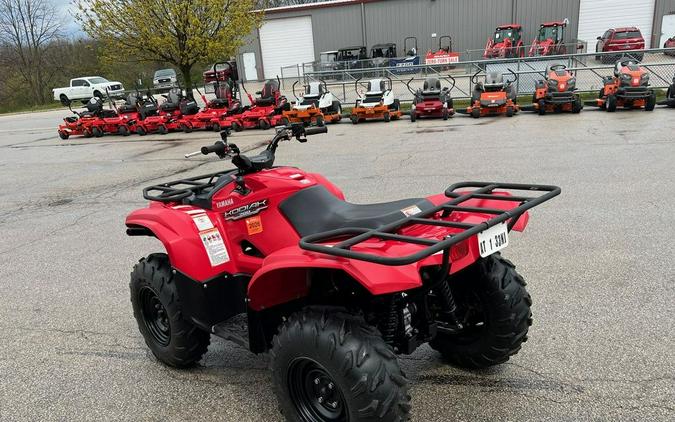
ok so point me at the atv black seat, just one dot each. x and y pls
(328, 212)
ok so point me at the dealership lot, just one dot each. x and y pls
(598, 260)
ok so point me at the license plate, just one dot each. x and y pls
(493, 240)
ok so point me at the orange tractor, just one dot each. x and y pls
(555, 93)
(628, 88)
(493, 97)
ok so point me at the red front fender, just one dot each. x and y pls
(284, 276)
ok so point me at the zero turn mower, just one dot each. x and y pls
(377, 103)
(265, 110)
(493, 97)
(317, 106)
(432, 101)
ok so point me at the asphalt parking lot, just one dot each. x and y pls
(598, 261)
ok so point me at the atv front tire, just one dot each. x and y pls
(494, 308)
(328, 364)
(172, 338)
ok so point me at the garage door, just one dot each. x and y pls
(286, 42)
(596, 16)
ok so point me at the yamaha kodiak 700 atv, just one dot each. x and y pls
(334, 291)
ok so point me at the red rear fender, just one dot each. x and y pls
(485, 203)
(284, 276)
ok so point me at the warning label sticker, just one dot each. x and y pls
(215, 247)
(411, 210)
(254, 225)
(202, 221)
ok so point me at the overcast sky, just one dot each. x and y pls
(66, 10)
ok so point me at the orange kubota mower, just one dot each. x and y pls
(493, 97)
(556, 93)
(628, 88)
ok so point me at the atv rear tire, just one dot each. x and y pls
(611, 103)
(328, 364)
(494, 307)
(650, 103)
(173, 339)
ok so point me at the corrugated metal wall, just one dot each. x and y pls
(661, 8)
(469, 22)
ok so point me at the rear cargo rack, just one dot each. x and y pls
(180, 189)
(346, 238)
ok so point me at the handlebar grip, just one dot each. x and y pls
(316, 130)
(218, 148)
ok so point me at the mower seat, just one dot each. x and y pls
(328, 212)
(127, 108)
(167, 106)
(218, 103)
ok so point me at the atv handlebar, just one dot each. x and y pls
(316, 130)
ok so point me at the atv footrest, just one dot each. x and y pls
(342, 241)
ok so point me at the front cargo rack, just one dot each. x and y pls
(349, 237)
(178, 190)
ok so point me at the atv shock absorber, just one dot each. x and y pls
(390, 320)
(445, 294)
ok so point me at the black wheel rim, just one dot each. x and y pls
(314, 393)
(471, 313)
(155, 317)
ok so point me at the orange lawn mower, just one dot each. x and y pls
(317, 106)
(378, 103)
(555, 93)
(493, 97)
(628, 88)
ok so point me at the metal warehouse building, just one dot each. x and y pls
(298, 34)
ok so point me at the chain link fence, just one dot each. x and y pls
(589, 69)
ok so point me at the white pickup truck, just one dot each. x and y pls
(86, 87)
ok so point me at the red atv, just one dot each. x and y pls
(431, 100)
(275, 259)
(550, 40)
(265, 110)
(505, 43)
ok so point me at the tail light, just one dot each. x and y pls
(459, 251)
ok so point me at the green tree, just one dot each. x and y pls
(179, 32)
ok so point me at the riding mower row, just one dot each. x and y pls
(95, 121)
(556, 93)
